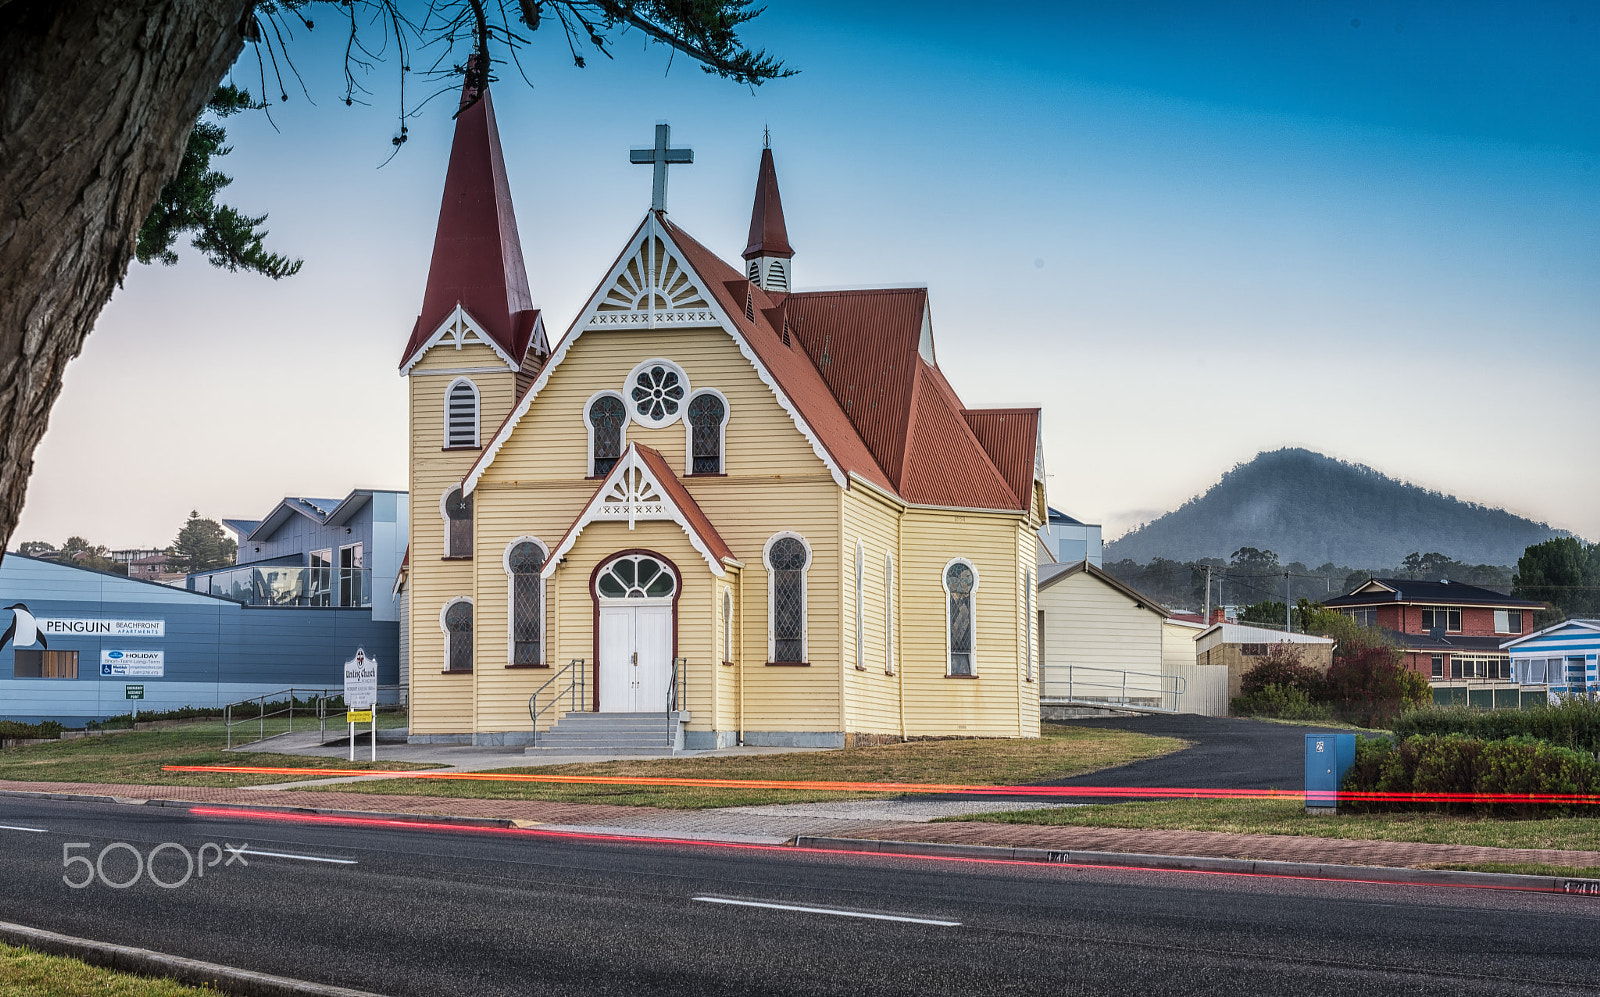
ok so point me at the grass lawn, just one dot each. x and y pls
(137, 757)
(1289, 817)
(1060, 752)
(26, 973)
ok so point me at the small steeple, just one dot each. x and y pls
(477, 255)
(768, 256)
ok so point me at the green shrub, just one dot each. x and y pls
(1451, 763)
(1574, 723)
(13, 729)
(1282, 701)
(1282, 667)
(1370, 685)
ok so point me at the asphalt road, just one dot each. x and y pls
(426, 912)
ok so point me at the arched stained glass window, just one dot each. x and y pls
(636, 576)
(959, 582)
(787, 560)
(526, 560)
(706, 416)
(458, 636)
(606, 416)
(458, 517)
(657, 392)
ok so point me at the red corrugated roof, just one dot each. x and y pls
(945, 464)
(1010, 437)
(789, 365)
(477, 255)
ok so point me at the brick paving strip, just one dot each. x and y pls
(1217, 844)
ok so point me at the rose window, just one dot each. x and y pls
(658, 390)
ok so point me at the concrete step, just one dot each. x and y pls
(549, 749)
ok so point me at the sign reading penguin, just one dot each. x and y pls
(24, 629)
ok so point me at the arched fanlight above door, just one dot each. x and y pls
(636, 576)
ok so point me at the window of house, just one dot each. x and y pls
(1508, 621)
(1438, 666)
(1027, 621)
(42, 664)
(461, 414)
(727, 627)
(606, 417)
(787, 560)
(524, 562)
(708, 414)
(861, 603)
(1366, 616)
(458, 524)
(352, 579)
(960, 582)
(456, 620)
(1446, 618)
(321, 577)
(1531, 671)
(888, 614)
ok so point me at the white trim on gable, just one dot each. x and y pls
(575, 332)
(457, 328)
(629, 493)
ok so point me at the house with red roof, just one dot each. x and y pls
(717, 510)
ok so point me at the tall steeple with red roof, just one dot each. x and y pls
(768, 255)
(477, 256)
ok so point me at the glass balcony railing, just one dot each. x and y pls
(287, 585)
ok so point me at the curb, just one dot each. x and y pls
(1195, 863)
(256, 807)
(144, 962)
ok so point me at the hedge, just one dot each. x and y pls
(1452, 763)
(12, 729)
(1574, 724)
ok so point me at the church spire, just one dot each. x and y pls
(768, 255)
(477, 256)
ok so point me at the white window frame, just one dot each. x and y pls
(622, 443)
(861, 607)
(627, 394)
(888, 613)
(477, 414)
(805, 598)
(944, 584)
(445, 611)
(511, 603)
(444, 515)
(722, 432)
(1027, 621)
(727, 626)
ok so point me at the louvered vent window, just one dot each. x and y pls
(755, 269)
(778, 276)
(526, 561)
(787, 560)
(458, 637)
(461, 415)
(458, 519)
(706, 413)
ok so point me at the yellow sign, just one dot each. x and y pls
(358, 717)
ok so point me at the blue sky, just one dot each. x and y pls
(1190, 231)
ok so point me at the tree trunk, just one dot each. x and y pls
(97, 98)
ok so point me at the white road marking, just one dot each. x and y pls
(10, 827)
(830, 910)
(302, 858)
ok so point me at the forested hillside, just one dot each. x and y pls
(1306, 507)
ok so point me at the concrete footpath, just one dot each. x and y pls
(909, 820)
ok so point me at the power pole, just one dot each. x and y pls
(1288, 605)
(1205, 617)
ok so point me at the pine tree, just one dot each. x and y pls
(201, 545)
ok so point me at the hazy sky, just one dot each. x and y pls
(1190, 231)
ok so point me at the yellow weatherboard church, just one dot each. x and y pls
(718, 511)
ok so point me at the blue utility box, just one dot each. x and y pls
(1328, 758)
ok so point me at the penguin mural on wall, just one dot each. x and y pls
(24, 629)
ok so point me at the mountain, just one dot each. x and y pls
(1306, 507)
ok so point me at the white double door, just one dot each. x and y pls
(635, 655)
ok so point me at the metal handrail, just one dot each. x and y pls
(577, 691)
(318, 698)
(1152, 686)
(676, 692)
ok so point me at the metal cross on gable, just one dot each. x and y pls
(660, 157)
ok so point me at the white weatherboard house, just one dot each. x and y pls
(1105, 642)
(1564, 658)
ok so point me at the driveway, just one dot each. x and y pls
(1227, 752)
